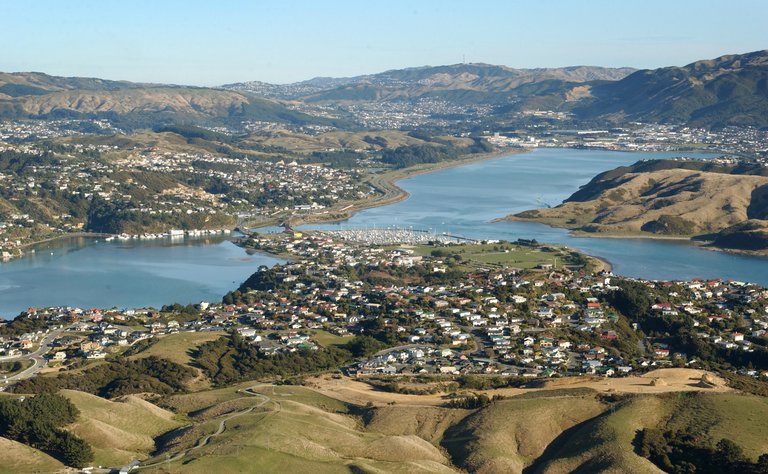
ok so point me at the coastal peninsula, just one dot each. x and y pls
(720, 202)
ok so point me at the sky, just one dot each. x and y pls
(211, 43)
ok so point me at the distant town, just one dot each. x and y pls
(147, 190)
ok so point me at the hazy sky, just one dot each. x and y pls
(221, 41)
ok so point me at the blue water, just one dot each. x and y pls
(95, 273)
(462, 201)
(465, 200)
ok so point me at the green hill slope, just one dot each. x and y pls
(510, 434)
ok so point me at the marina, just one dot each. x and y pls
(446, 205)
(396, 236)
(468, 200)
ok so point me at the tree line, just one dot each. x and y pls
(38, 421)
(116, 378)
(232, 358)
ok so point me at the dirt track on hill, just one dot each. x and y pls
(657, 381)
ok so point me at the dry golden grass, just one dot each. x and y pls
(711, 201)
(188, 101)
(674, 380)
(655, 381)
(18, 458)
(429, 423)
(337, 140)
(557, 430)
(742, 419)
(292, 436)
(119, 431)
(510, 434)
(190, 402)
(604, 444)
(178, 347)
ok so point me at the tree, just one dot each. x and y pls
(36, 421)
(761, 467)
(74, 451)
(632, 299)
(363, 346)
(728, 455)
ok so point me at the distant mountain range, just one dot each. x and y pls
(730, 90)
(481, 82)
(133, 105)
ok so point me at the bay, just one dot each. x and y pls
(465, 200)
(87, 272)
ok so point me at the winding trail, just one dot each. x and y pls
(221, 428)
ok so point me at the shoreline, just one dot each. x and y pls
(397, 194)
(392, 193)
(34, 243)
(583, 234)
(605, 265)
(76, 235)
(385, 182)
(580, 234)
(66, 236)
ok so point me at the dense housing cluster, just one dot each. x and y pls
(423, 311)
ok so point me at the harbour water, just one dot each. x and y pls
(462, 201)
(466, 200)
(88, 272)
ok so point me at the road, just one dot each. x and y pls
(38, 357)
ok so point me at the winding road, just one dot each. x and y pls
(38, 357)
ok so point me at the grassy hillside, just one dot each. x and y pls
(293, 428)
(549, 431)
(428, 423)
(179, 347)
(29, 83)
(701, 202)
(749, 235)
(458, 83)
(17, 458)
(729, 90)
(669, 198)
(742, 418)
(604, 444)
(134, 105)
(510, 434)
(283, 428)
(119, 431)
(299, 430)
(305, 144)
